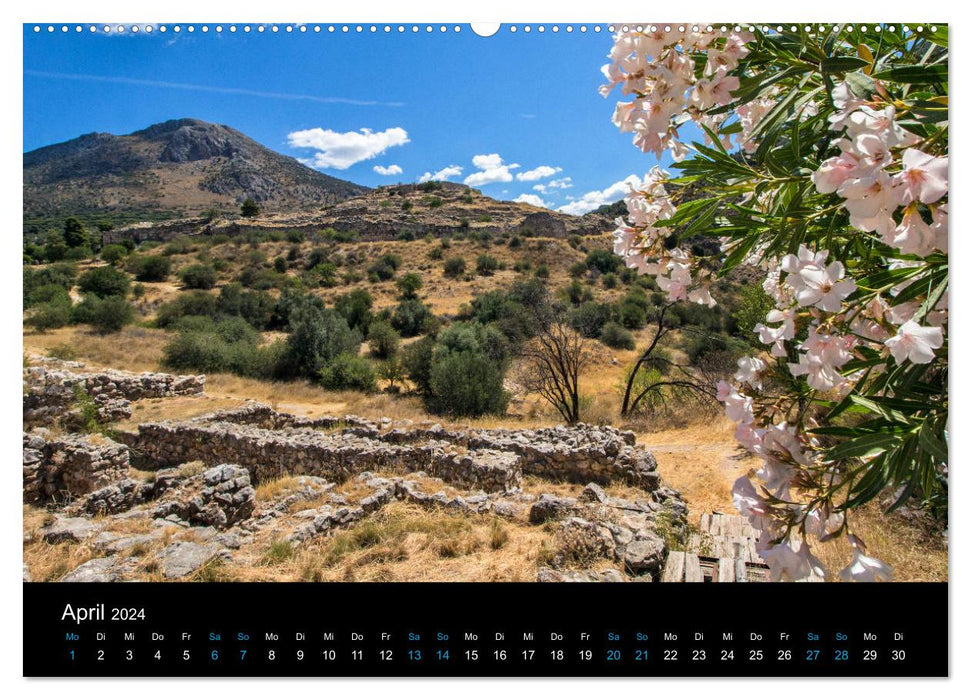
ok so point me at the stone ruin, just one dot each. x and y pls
(57, 394)
(203, 473)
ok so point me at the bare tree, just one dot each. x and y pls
(553, 361)
(683, 380)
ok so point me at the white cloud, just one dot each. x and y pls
(539, 173)
(389, 170)
(341, 150)
(491, 169)
(591, 200)
(561, 184)
(443, 174)
(533, 199)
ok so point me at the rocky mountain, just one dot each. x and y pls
(179, 168)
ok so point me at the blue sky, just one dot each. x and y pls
(428, 102)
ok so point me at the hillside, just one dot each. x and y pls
(178, 168)
(395, 212)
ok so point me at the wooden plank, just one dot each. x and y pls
(692, 568)
(741, 573)
(726, 570)
(674, 568)
(705, 522)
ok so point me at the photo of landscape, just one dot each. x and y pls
(603, 303)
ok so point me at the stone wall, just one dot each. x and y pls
(71, 466)
(579, 454)
(272, 444)
(52, 394)
(273, 453)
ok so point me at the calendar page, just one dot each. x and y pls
(603, 349)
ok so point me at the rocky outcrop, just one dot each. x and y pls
(223, 498)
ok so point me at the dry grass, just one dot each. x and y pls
(133, 348)
(402, 542)
(913, 554)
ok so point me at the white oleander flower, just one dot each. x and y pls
(915, 343)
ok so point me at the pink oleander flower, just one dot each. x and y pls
(914, 236)
(775, 475)
(924, 177)
(716, 90)
(791, 561)
(870, 200)
(915, 343)
(819, 525)
(816, 283)
(833, 172)
(777, 336)
(750, 504)
(939, 228)
(881, 123)
(846, 103)
(749, 369)
(867, 569)
(738, 407)
(821, 359)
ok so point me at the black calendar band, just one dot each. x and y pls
(473, 629)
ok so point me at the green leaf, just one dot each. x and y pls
(688, 210)
(932, 443)
(915, 74)
(861, 85)
(864, 446)
(841, 64)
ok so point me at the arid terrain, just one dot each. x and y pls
(357, 367)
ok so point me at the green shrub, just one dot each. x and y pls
(194, 303)
(589, 319)
(465, 384)
(576, 293)
(616, 336)
(349, 372)
(486, 265)
(150, 268)
(454, 267)
(409, 285)
(113, 252)
(61, 274)
(752, 306)
(53, 314)
(198, 277)
(249, 208)
(48, 294)
(603, 261)
(355, 307)
(417, 359)
(383, 339)
(107, 315)
(104, 282)
(316, 337)
(631, 315)
(411, 317)
(578, 269)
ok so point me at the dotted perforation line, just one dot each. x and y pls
(443, 29)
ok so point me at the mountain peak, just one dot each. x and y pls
(180, 167)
